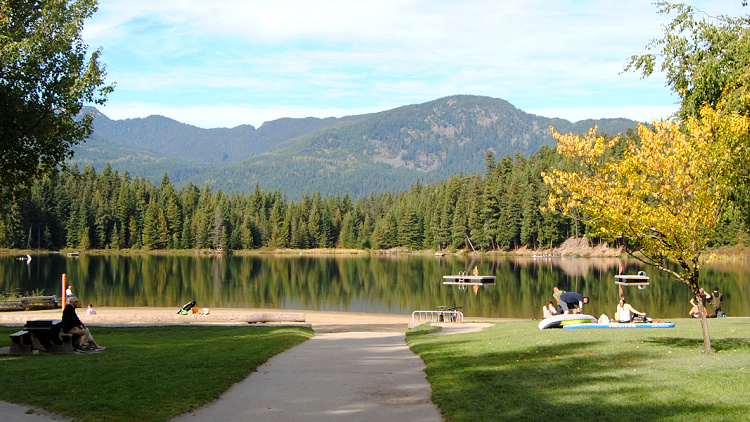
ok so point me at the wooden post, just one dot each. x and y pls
(64, 299)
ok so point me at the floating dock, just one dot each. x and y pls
(632, 280)
(470, 280)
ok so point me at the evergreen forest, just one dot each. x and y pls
(500, 210)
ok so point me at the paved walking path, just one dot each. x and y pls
(338, 376)
(353, 376)
(10, 412)
(356, 368)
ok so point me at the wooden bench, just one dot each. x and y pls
(40, 302)
(12, 305)
(30, 303)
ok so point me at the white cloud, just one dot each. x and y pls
(230, 57)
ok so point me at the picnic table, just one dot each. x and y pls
(42, 335)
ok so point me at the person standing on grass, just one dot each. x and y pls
(71, 324)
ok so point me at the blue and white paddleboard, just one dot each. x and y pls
(623, 325)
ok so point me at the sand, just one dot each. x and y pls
(320, 321)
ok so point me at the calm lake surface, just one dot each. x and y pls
(386, 284)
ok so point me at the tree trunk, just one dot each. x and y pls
(692, 282)
(704, 327)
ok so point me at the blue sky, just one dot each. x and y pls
(222, 63)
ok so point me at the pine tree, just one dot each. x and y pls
(151, 226)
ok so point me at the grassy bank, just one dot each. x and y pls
(146, 373)
(515, 372)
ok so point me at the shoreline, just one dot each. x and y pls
(572, 248)
(319, 321)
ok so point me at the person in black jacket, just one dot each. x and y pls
(716, 299)
(71, 324)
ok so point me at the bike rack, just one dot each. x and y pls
(433, 316)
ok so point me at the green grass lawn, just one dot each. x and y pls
(514, 371)
(145, 374)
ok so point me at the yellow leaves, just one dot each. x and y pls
(666, 190)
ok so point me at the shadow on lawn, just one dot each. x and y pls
(559, 382)
(717, 344)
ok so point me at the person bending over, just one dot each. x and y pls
(71, 324)
(572, 302)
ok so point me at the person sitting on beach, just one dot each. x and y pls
(624, 312)
(71, 324)
(90, 310)
(549, 310)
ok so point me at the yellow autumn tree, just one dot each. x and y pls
(663, 198)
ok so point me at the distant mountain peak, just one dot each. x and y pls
(375, 152)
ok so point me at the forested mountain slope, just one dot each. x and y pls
(393, 149)
(385, 151)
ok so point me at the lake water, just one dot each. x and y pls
(396, 284)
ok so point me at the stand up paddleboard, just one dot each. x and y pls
(623, 325)
(558, 320)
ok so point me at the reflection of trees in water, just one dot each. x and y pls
(390, 284)
(573, 267)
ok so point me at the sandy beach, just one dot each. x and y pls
(320, 321)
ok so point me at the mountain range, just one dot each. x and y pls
(363, 154)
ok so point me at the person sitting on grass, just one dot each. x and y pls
(695, 312)
(624, 312)
(549, 310)
(716, 298)
(71, 324)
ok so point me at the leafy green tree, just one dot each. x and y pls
(46, 76)
(704, 58)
